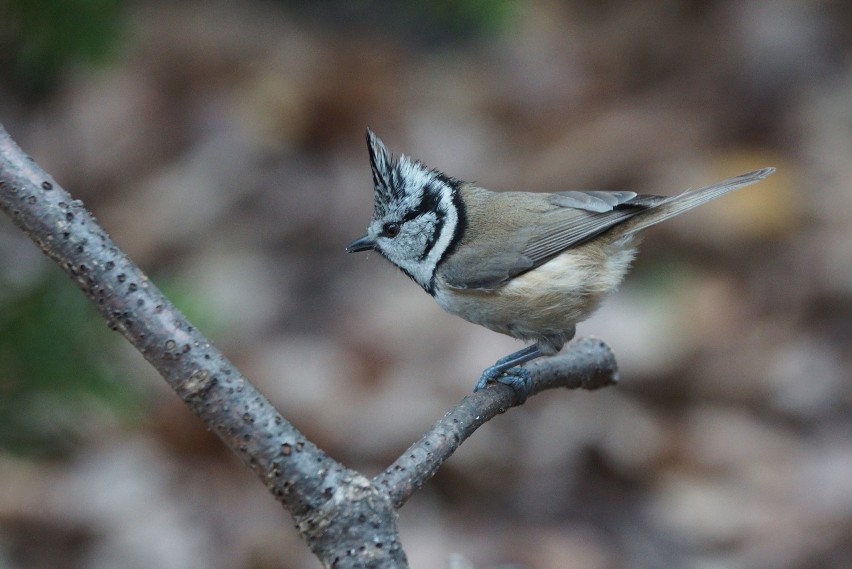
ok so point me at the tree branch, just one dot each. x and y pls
(325, 498)
(347, 520)
(588, 363)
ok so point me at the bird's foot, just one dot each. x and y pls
(518, 378)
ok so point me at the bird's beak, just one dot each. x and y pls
(364, 243)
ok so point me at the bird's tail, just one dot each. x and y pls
(689, 199)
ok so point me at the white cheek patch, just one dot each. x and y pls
(415, 236)
(410, 245)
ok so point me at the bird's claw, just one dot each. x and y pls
(518, 378)
(488, 376)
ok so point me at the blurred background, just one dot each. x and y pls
(222, 146)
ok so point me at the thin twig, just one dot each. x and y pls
(588, 363)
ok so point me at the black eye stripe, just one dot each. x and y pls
(412, 215)
(429, 202)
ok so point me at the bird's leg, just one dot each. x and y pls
(506, 371)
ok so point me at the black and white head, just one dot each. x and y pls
(417, 214)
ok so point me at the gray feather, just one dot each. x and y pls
(693, 198)
(569, 226)
(593, 200)
(489, 272)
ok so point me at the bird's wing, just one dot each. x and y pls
(571, 218)
(579, 216)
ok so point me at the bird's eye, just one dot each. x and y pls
(390, 229)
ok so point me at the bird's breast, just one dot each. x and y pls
(546, 301)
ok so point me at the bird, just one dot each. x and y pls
(526, 264)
